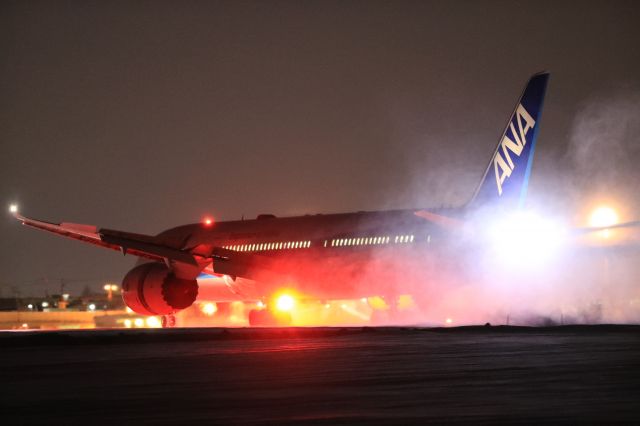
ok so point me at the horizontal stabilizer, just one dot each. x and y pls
(589, 229)
(442, 221)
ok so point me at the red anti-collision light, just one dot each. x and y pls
(207, 221)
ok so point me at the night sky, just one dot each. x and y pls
(141, 116)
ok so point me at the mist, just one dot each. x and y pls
(583, 279)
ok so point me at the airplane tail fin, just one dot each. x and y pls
(506, 178)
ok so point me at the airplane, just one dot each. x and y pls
(321, 256)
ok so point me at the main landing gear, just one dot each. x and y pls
(168, 321)
(393, 315)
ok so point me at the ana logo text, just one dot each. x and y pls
(502, 163)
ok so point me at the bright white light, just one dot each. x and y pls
(13, 208)
(138, 322)
(525, 238)
(209, 309)
(449, 321)
(260, 304)
(127, 323)
(285, 303)
(92, 306)
(153, 322)
(45, 304)
(603, 216)
(30, 306)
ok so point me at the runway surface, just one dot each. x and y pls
(475, 375)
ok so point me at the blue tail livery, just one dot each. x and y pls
(506, 178)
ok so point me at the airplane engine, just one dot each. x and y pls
(152, 289)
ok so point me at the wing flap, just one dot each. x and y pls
(133, 242)
(128, 243)
(246, 265)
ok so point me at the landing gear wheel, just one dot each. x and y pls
(392, 316)
(168, 321)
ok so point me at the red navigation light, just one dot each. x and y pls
(207, 221)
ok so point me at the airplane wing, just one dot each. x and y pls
(247, 265)
(184, 262)
(140, 245)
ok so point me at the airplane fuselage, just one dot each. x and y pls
(322, 256)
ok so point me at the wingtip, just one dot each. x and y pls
(15, 212)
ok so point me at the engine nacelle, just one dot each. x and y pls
(152, 289)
